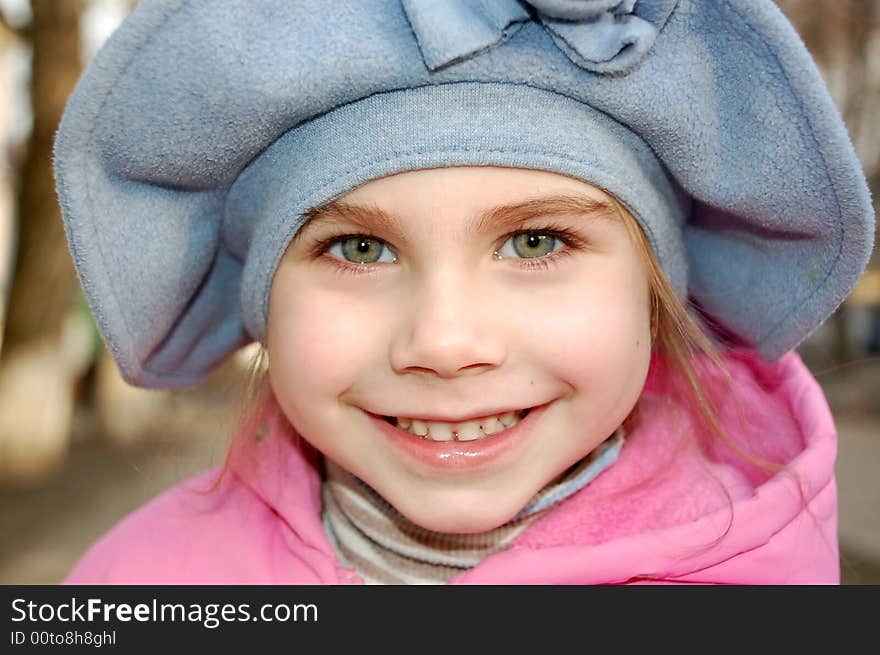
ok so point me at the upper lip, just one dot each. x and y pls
(463, 418)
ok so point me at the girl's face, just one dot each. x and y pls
(451, 295)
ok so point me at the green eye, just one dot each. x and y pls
(361, 249)
(530, 245)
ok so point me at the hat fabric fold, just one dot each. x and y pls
(203, 130)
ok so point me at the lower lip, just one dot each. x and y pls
(460, 455)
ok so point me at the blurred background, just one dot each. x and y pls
(79, 448)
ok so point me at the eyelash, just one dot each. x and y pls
(572, 241)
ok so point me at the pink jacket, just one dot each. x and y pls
(669, 510)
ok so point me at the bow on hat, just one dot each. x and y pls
(601, 36)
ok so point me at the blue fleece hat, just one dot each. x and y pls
(203, 131)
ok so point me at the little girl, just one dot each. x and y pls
(527, 278)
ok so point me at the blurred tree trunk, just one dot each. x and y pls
(37, 371)
(844, 38)
(44, 279)
(8, 38)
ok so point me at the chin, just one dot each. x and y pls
(458, 519)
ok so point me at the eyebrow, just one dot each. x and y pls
(503, 217)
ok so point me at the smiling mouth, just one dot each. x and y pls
(473, 430)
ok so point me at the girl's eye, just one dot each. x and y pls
(529, 245)
(362, 249)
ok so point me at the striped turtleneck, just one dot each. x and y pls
(385, 547)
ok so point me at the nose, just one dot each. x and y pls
(447, 329)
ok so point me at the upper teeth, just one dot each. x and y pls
(467, 431)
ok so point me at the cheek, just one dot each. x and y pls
(318, 341)
(597, 334)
